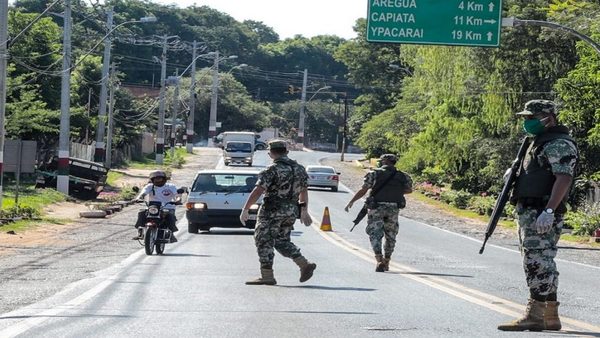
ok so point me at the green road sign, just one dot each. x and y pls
(438, 22)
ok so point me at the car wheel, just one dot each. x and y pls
(192, 228)
(334, 189)
(260, 147)
(250, 164)
(226, 163)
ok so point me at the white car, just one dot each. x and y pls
(216, 199)
(323, 176)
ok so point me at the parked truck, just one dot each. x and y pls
(238, 147)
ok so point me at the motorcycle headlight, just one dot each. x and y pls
(153, 209)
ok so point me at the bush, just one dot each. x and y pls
(434, 175)
(584, 222)
(483, 205)
(459, 199)
(24, 211)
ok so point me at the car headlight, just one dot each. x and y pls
(254, 207)
(199, 206)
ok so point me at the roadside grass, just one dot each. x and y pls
(149, 161)
(113, 177)
(27, 224)
(460, 212)
(33, 199)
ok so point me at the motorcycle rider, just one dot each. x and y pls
(159, 190)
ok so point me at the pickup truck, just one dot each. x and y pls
(86, 178)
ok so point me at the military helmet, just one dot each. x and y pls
(277, 144)
(389, 157)
(158, 173)
(535, 107)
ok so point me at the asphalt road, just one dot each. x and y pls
(437, 286)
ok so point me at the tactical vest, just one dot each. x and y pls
(393, 191)
(535, 181)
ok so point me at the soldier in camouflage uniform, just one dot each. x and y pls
(390, 185)
(542, 186)
(285, 185)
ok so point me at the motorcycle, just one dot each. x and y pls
(156, 231)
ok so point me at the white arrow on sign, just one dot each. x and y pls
(490, 21)
(491, 6)
(490, 35)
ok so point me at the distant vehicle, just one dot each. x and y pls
(238, 147)
(217, 197)
(323, 177)
(86, 178)
(260, 145)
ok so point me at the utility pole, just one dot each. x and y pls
(345, 130)
(175, 111)
(62, 179)
(99, 152)
(3, 70)
(212, 121)
(89, 107)
(160, 132)
(111, 107)
(189, 141)
(302, 108)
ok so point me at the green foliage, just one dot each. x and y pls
(177, 160)
(22, 211)
(584, 222)
(483, 205)
(429, 190)
(458, 199)
(433, 175)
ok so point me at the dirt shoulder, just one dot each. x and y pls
(37, 263)
(352, 177)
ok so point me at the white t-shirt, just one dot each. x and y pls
(164, 194)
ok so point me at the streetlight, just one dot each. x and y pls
(99, 153)
(212, 121)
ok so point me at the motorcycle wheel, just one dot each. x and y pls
(160, 248)
(149, 240)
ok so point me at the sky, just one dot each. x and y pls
(288, 18)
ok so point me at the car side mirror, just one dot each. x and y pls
(339, 173)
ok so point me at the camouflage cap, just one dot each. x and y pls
(389, 157)
(277, 144)
(535, 107)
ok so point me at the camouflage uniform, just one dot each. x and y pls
(383, 220)
(539, 250)
(279, 211)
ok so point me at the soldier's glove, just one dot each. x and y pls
(544, 222)
(305, 217)
(244, 216)
(348, 206)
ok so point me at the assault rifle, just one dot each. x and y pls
(509, 184)
(361, 214)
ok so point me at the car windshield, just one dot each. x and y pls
(228, 183)
(239, 146)
(326, 170)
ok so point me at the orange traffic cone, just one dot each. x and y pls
(326, 222)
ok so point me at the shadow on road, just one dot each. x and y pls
(331, 312)
(327, 190)
(431, 274)
(332, 288)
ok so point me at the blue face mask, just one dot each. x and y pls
(533, 126)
